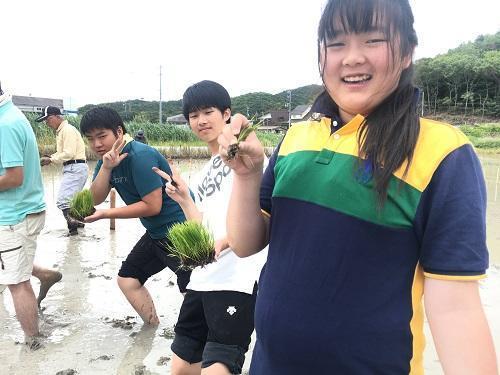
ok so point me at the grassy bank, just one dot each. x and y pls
(180, 142)
(485, 137)
(174, 141)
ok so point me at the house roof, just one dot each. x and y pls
(300, 109)
(32, 101)
(300, 112)
(177, 119)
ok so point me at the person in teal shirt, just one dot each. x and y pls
(22, 217)
(126, 165)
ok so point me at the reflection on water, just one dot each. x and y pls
(90, 327)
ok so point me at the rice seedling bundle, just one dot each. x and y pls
(192, 243)
(81, 205)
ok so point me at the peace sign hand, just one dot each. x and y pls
(112, 158)
(176, 188)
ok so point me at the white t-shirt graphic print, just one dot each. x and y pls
(212, 189)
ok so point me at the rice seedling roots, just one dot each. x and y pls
(190, 264)
(232, 150)
(77, 218)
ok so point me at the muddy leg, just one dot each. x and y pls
(72, 223)
(182, 367)
(47, 279)
(139, 298)
(25, 306)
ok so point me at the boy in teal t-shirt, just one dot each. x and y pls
(126, 165)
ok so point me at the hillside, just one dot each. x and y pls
(460, 86)
(256, 103)
(464, 82)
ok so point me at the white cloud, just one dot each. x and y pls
(97, 51)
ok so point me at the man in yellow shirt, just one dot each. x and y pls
(70, 152)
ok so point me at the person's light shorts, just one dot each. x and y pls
(17, 248)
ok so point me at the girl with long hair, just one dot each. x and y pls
(366, 211)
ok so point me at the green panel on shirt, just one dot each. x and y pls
(328, 179)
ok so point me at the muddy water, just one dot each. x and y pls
(90, 327)
(88, 324)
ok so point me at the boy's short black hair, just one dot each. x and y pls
(205, 94)
(101, 118)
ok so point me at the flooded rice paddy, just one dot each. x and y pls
(90, 328)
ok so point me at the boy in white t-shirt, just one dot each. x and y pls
(215, 322)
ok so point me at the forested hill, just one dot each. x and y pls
(256, 103)
(465, 81)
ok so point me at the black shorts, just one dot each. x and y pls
(149, 257)
(215, 327)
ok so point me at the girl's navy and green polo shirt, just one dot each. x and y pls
(134, 178)
(341, 292)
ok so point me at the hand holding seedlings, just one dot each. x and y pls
(97, 215)
(192, 243)
(45, 160)
(81, 205)
(113, 158)
(242, 136)
(241, 149)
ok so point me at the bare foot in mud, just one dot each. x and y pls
(69, 371)
(168, 333)
(127, 323)
(141, 370)
(46, 283)
(33, 343)
(163, 361)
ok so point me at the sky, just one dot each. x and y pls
(111, 50)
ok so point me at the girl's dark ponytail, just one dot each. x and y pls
(389, 135)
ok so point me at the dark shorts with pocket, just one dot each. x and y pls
(148, 257)
(215, 327)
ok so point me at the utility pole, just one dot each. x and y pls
(289, 108)
(160, 96)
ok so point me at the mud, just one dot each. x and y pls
(87, 326)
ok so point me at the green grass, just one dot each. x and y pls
(484, 137)
(269, 139)
(44, 134)
(487, 142)
(156, 134)
(81, 205)
(192, 243)
(491, 130)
